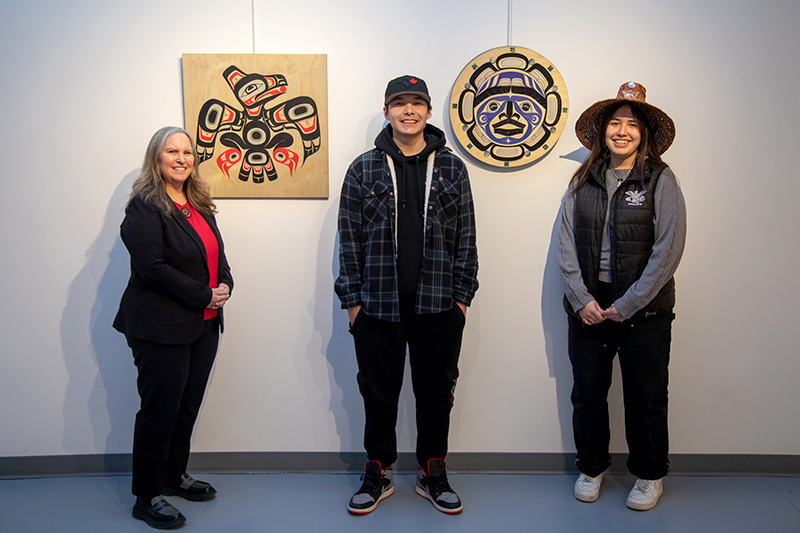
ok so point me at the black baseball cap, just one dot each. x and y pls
(406, 85)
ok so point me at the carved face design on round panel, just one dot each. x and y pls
(508, 117)
(508, 107)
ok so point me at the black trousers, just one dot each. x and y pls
(172, 381)
(643, 349)
(434, 344)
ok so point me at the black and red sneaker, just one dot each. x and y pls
(378, 484)
(432, 484)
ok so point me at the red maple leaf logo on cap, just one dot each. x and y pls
(412, 80)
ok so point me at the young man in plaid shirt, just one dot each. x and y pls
(408, 269)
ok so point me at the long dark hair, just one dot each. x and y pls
(149, 185)
(647, 147)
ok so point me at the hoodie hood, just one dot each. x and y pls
(410, 175)
(410, 170)
(434, 139)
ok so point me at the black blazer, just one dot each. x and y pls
(168, 289)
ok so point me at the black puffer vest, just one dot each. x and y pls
(631, 230)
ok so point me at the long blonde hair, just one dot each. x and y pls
(150, 187)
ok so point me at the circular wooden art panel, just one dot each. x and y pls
(509, 106)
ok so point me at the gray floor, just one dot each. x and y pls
(492, 503)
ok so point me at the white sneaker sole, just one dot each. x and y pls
(637, 506)
(587, 498)
(644, 506)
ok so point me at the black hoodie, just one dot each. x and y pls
(410, 173)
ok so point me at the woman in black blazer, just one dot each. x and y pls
(171, 315)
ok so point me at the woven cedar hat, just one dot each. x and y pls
(634, 94)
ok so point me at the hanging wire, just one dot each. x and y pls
(510, 41)
(253, 17)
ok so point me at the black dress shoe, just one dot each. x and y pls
(189, 489)
(159, 514)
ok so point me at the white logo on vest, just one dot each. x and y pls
(635, 198)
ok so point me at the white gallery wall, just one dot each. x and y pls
(84, 84)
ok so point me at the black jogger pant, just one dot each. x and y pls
(434, 344)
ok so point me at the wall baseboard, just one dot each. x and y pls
(352, 462)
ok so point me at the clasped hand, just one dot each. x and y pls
(219, 296)
(592, 313)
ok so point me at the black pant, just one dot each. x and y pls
(434, 344)
(643, 349)
(172, 381)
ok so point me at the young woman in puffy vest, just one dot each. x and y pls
(622, 233)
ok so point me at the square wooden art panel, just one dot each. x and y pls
(260, 122)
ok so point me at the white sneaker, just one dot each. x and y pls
(587, 488)
(645, 494)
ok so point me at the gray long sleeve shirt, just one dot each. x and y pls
(670, 229)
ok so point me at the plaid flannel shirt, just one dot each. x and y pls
(367, 218)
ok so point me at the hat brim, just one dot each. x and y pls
(588, 124)
(415, 93)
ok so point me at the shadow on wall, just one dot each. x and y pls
(101, 397)
(345, 401)
(554, 324)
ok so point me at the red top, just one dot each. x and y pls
(212, 248)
